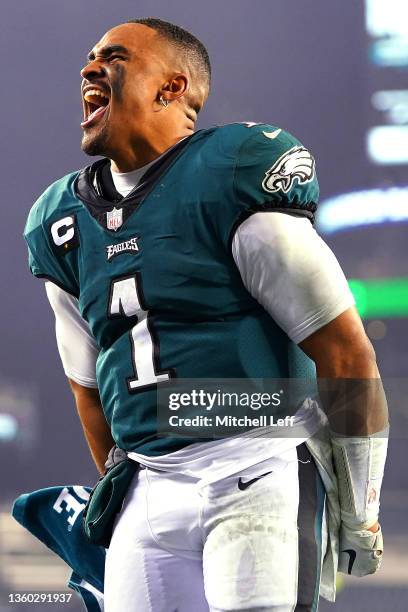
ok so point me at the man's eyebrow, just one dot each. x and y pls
(106, 51)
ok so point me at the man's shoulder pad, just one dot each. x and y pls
(248, 133)
(241, 131)
(274, 170)
(59, 196)
(249, 138)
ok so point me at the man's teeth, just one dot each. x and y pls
(94, 92)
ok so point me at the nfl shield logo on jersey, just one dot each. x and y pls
(114, 219)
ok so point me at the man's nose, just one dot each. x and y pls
(92, 70)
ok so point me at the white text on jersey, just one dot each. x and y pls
(128, 246)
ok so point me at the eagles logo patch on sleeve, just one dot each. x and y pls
(296, 164)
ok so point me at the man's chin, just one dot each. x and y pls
(94, 144)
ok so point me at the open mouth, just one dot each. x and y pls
(96, 103)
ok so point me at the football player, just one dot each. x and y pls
(192, 254)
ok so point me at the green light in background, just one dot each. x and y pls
(381, 297)
(360, 295)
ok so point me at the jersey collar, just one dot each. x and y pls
(95, 188)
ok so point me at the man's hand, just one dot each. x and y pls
(374, 528)
(360, 552)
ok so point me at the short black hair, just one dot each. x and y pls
(184, 40)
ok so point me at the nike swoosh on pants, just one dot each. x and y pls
(244, 485)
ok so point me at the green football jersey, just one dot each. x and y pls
(154, 273)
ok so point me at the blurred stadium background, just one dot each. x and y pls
(333, 73)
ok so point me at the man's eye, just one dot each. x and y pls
(112, 58)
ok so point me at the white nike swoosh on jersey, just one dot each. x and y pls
(272, 135)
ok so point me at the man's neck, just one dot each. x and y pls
(137, 155)
(125, 182)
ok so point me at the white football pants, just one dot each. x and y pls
(252, 542)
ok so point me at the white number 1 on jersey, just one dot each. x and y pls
(124, 302)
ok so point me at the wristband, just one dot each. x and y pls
(359, 463)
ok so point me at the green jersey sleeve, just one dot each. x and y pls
(52, 237)
(275, 172)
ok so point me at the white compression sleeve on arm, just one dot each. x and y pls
(77, 348)
(359, 464)
(287, 268)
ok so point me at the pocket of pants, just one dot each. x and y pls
(173, 513)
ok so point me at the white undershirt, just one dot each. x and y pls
(290, 270)
(125, 181)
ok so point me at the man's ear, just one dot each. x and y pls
(174, 89)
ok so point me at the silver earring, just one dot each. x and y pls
(165, 103)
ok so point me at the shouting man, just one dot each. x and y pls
(192, 254)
